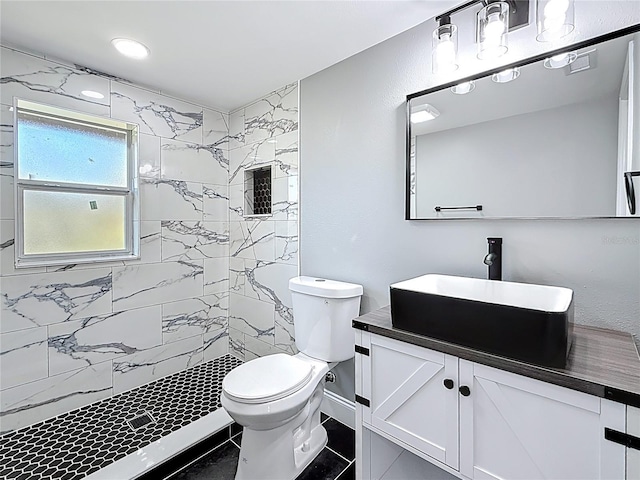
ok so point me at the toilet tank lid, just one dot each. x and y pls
(321, 287)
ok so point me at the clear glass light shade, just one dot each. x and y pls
(464, 88)
(506, 76)
(560, 61)
(445, 49)
(554, 19)
(493, 27)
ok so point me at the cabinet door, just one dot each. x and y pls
(409, 399)
(518, 428)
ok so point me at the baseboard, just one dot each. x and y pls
(339, 408)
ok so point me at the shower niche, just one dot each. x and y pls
(257, 191)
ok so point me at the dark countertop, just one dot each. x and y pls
(601, 362)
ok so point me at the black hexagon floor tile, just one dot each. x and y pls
(98, 434)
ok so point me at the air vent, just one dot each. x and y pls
(140, 421)
(584, 61)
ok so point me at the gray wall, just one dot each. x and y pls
(352, 227)
(559, 162)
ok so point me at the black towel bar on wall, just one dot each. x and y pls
(631, 194)
(475, 207)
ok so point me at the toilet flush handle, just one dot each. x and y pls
(330, 377)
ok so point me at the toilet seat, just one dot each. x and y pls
(267, 379)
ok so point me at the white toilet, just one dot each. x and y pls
(277, 398)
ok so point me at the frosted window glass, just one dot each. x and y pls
(58, 150)
(66, 222)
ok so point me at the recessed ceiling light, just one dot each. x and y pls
(424, 113)
(130, 48)
(506, 75)
(464, 88)
(91, 94)
(560, 61)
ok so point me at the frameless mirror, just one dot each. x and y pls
(549, 137)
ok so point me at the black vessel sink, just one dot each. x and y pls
(527, 322)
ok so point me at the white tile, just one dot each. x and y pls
(287, 242)
(194, 240)
(170, 200)
(23, 356)
(236, 343)
(273, 115)
(81, 343)
(252, 317)
(6, 193)
(254, 348)
(216, 275)
(7, 252)
(236, 275)
(46, 298)
(6, 137)
(195, 316)
(142, 285)
(156, 114)
(216, 203)
(285, 198)
(236, 129)
(286, 154)
(32, 402)
(38, 80)
(285, 336)
(253, 155)
(215, 127)
(253, 240)
(216, 343)
(269, 282)
(148, 365)
(193, 162)
(236, 202)
(149, 156)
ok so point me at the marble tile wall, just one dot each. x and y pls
(263, 252)
(75, 334)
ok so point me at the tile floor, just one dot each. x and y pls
(77, 443)
(335, 462)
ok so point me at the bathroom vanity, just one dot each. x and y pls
(431, 409)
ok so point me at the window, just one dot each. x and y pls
(75, 186)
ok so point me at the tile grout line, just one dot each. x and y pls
(333, 451)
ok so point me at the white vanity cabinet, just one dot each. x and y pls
(480, 422)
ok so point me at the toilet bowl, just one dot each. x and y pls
(277, 398)
(281, 420)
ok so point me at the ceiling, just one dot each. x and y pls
(222, 54)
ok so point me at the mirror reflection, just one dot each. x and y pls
(553, 138)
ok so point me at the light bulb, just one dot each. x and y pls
(495, 27)
(445, 53)
(556, 8)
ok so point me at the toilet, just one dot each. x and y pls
(277, 398)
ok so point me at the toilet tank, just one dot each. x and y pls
(322, 314)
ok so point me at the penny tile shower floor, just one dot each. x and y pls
(75, 444)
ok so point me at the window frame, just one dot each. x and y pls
(130, 193)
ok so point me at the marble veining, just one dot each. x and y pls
(96, 339)
(194, 316)
(51, 79)
(273, 115)
(23, 357)
(253, 240)
(194, 240)
(33, 300)
(156, 114)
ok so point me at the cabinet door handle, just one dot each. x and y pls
(448, 383)
(464, 391)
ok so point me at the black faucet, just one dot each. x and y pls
(494, 258)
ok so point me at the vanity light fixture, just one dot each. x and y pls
(424, 113)
(130, 48)
(554, 19)
(493, 26)
(464, 88)
(495, 20)
(560, 61)
(506, 76)
(445, 47)
(92, 94)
